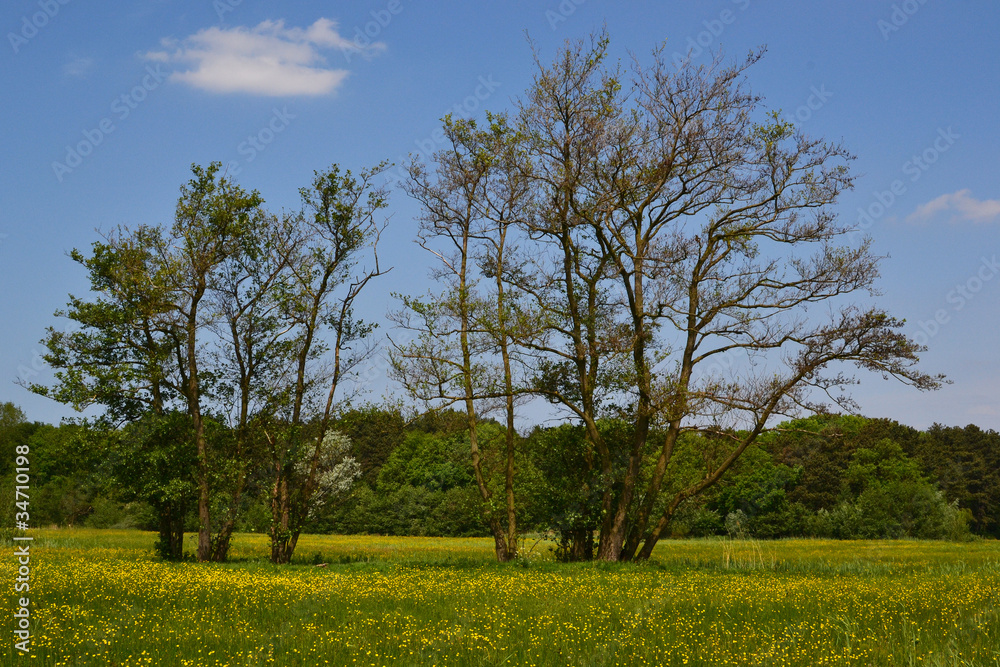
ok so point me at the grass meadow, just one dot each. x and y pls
(100, 598)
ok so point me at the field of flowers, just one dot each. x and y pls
(100, 598)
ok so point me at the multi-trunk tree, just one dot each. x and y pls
(242, 320)
(667, 219)
(684, 221)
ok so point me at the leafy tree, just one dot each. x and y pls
(224, 316)
(139, 345)
(334, 471)
(213, 216)
(433, 461)
(14, 431)
(127, 349)
(375, 432)
(965, 462)
(568, 499)
(758, 487)
(11, 417)
(886, 495)
(821, 447)
(67, 469)
(150, 460)
(339, 258)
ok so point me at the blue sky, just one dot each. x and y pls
(106, 105)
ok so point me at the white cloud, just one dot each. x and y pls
(268, 59)
(78, 66)
(962, 206)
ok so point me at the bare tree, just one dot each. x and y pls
(463, 352)
(678, 220)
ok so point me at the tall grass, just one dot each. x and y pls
(102, 599)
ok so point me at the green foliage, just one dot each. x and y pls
(412, 510)
(424, 487)
(886, 496)
(850, 480)
(695, 520)
(569, 497)
(11, 417)
(152, 460)
(69, 463)
(965, 463)
(433, 462)
(375, 432)
(141, 475)
(758, 488)
(109, 513)
(819, 446)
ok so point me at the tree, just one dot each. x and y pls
(375, 432)
(327, 278)
(676, 220)
(464, 352)
(222, 316)
(757, 487)
(965, 462)
(569, 497)
(211, 219)
(151, 460)
(821, 446)
(334, 472)
(126, 352)
(886, 495)
(11, 416)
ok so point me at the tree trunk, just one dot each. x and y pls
(204, 520)
(281, 542)
(171, 532)
(222, 541)
(654, 537)
(581, 545)
(193, 395)
(511, 552)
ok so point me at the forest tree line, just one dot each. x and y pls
(826, 476)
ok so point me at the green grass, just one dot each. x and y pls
(100, 598)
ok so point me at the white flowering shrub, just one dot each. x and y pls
(336, 471)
